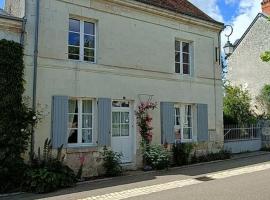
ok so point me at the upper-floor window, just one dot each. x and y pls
(81, 120)
(183, 123)
(182, 57)
(82, 40)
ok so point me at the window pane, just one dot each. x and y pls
(185, 47)
(87, 106)
(73, 57)
(74, 25)
(177, 57)
(185, 58)
(187, 133)
(177, 68)
(89, 28)
(89, 41)
(177, 46)
(87, 136)
(177, 120)
(72, 106)
(124, 117)
(89, 52)
(188, 109)
(177, 111)
(90, 59)
(74, 39)
(125, 130)
(115, 130)
(73, 136)
(186, 69)
(115, 117)
(87, 121)
(73, 121)
(74, 50)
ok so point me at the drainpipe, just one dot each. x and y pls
(35, 69)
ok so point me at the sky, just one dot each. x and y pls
(238, 13)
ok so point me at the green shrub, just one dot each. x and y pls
(221, 155)
(48, 173)
(16, 119)
(181, 153)
(112, 163)
(156, 156)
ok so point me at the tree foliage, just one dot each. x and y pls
(237, 106)
(264, 100)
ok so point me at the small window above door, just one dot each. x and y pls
(121, 104)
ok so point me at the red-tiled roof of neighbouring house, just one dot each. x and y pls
(180, 6)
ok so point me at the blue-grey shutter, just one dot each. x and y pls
(104, 121)
(202, 123)
(59, 121)
(167, 122)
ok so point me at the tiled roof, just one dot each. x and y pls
(180, 6)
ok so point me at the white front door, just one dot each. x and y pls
(121, 132)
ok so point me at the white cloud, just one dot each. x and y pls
(244, 15)
(210, 7)
(247, 11)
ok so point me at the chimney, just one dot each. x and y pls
(266, 7)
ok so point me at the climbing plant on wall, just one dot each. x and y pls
(144, 121)
(16, 119)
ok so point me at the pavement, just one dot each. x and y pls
(246, 177)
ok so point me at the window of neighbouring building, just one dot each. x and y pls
(80, 126)
(182, 57)
(183, 124)
(82, 40)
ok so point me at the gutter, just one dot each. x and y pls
(35, 69)
(11, 18)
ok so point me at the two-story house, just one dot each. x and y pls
(245, 66)
(89, 63)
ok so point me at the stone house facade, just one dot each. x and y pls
(10, 27)
(93, 61)
(245, 66)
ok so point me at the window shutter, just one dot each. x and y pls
(167, 122)
(192, 59)
(59, 121)
(202, 122)
(104, 121)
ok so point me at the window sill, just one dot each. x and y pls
(82, 61)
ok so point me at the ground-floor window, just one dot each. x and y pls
(80, 126)
(183, 123)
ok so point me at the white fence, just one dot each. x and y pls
(239, 139)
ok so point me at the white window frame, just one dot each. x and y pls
(182, 121)
(80, 121)
(181, 57)
(82, 34)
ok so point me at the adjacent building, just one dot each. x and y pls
(245, 66)
(89, 63)
(10, 27)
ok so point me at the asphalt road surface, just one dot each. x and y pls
(239, 179)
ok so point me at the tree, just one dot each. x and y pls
(237, 106)
(264, 100)
(266, 55)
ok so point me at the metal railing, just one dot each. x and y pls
(236, 132)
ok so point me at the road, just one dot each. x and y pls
(239, 179)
